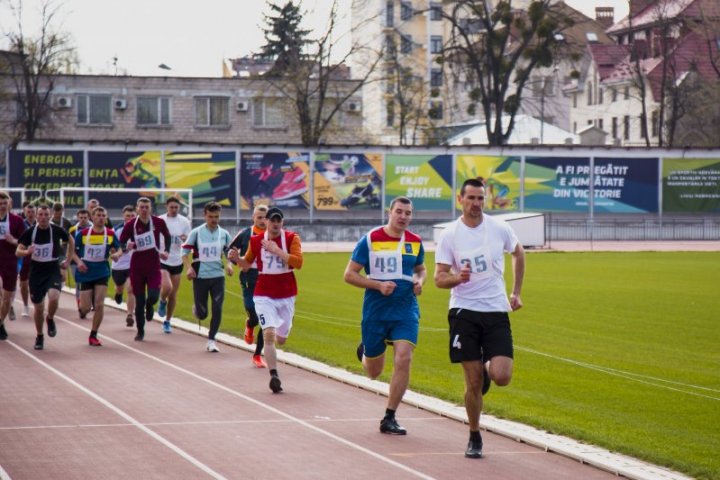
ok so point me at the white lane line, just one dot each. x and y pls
(260, 404)
(3, 474)
(121, 413)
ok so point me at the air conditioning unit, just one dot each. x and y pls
(242, 106)
(120, 104)
(64, 102)
(354, 107)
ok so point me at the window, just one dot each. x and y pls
(436, 77)
(589, 93)
(390, 114)
(614, 127)
(390, 81)
(574, 100)
(436, 44)
(643, 127)
(627, 93)
(153, 111)
(626, 127)
(405, 44)
(655, 124)
(406, 10)
(613, 94)
(268, 112)
(600, 124)
(436, 110)
(601, 96)
(436, 12)
(94, 109)
(574, 127)
(390, 45)
(212, 111)
(390, 14)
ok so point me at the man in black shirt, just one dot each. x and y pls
(42, 243)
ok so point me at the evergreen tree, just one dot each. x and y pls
(285, 40)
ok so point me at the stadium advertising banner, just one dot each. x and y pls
(500, 174)
(557, 184)
(346, 181)
(626, 185)
(691, 185)
(280, 179)
(426, 179)
(210, 175)
(48, 170)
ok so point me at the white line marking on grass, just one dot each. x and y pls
(627, 375)
(120, 412)
(258, 403)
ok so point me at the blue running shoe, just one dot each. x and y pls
(167, 328)
(162, 309)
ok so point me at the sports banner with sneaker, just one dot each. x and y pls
(347, 181)
(281, 179)
(425, 179)
(502, 176)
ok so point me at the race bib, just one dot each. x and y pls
(479, 261)
(43, 252)
(144, 241)
(209, 251)
(94, 253)
(386, 265)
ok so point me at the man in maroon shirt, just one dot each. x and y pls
(11, 227)
(142, 236)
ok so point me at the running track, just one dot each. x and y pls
(165, 408)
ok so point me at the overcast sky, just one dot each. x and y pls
(191, 37)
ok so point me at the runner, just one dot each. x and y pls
(11, 229)
(42, 244)
(392, 258)
(469, 260)
(29, 212)
(121, 270)
(62, 222)
(93, 246)
(83, 221)
(248, 279)
(172, 268)
(207, 243)
(142, 236)
(278, 252)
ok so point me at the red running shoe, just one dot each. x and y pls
(292, 184)
(259, 361)
(249, 333)
(94, 342)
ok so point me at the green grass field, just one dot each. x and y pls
(619, 350)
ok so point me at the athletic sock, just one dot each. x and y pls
(389, 413)
(93, 333)
(273, 373)
(475, 435)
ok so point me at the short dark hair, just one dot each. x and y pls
(403, 200)
(128, 208)
(83, 211)
(212, 207)
(143, 200)
(98, 209)
(472, 182)
(172, 200)
(58, 207)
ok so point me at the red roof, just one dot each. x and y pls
(607, 57)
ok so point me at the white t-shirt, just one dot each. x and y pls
(178, 226)
(483, 247)
(123, 263)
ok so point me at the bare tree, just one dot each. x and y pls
(35, 64)
(317, 84)
(498, 48)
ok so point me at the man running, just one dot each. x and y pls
(93, 246)
(142, 236)
(469, 260)
(392, 258)
(207, 243)
(278, 253)
(29, 211)
(11, 229)
(172, 268)
(62, 222)
(121, 270)
(42, 244)
(248, 279)
(83, 221)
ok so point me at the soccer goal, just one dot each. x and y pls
(19, 195)
(114, 199)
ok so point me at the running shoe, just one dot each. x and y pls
(11, 313)
(149, 313)
(162, 308)
(39, 341)
(129, 321)
(275, 384)
(360, 351)
(118, 298)
(259, 361)
(474, 448)
(3, 332)
(26, 311)
(140, 337)
(212, 346)
(52, 328)
(292, 184)
(167, 328)
(94, 342)
(390, 426)
(249, 333)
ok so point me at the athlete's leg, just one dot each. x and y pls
(217, 297)
(172, 297)
(270, 352)
(402, 358)
(100, 292)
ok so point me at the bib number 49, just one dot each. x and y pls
(386, 265)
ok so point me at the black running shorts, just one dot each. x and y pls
(41, 282)
(479, 335)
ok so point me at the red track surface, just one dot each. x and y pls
(165, 408)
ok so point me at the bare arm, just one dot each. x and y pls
(419, 277)
(445, 278)
(518, 266)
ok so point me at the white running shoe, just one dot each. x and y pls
(26, 311)
(212, 346)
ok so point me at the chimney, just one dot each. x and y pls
(636, 6)
(605, 16)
